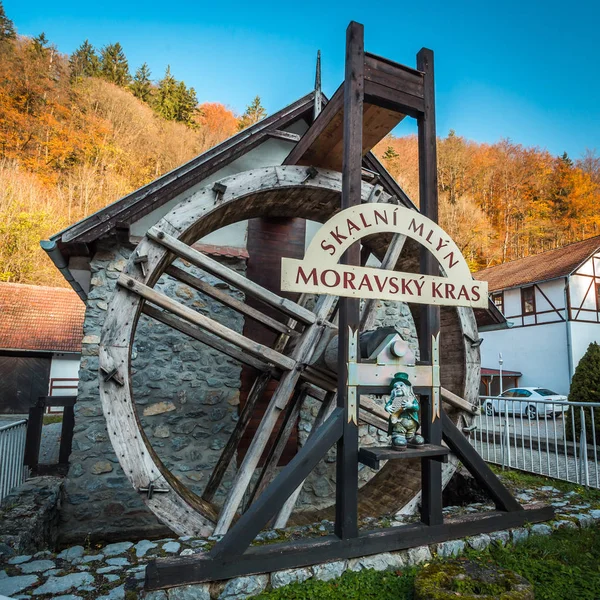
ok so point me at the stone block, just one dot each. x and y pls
(244, 587)
(418, 555)
(519, 534)
(450, 548)
(282, 578)
(479, 542)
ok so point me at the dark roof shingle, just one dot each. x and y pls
(541, 267)
(35, 317)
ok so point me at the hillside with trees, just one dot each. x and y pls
(78, 132)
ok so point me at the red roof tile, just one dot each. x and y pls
(35, 317)
(541, 267)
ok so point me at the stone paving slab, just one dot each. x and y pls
(116, 571)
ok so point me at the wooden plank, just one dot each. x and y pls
(190, 315)
(395, 101)
(303, 352)
(259, 514)
(33, 437)
(225, 298)
(290, 419)
(206, 338)
(288, 136)
(470, 458)
(321, 123)
(168, 572)
(327, 407)
(459, 402)
(393, 75)
(371, 456)
(346, 498)
(230, 276)
(431, 424)
(260, 384)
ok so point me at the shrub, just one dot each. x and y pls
(585, 387)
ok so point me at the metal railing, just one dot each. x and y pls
(12, 452)
(556, 439)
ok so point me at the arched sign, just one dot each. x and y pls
(320, 272)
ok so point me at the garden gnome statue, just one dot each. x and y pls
(403, 407)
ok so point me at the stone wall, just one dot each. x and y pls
(186, 393)
(187, 398)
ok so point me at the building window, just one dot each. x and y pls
(528, 300)
(498, 300)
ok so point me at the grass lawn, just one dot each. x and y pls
(563, 566)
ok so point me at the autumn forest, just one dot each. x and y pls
(78, 132)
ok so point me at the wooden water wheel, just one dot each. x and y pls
(283, 191)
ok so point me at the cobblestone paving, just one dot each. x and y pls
(116, 571)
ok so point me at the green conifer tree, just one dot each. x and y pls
(186, 104)
(253, 114)
(390, 153)
(165, 101)
(585, 387)
(84, 62)
(7, 27)
(39, 44)
(141, 85)
(113, 64)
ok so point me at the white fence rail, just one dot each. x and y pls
(557, 439)
(12, 452)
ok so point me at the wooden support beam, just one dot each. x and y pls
(225, 298)
(460, 446)
(206, 338)
(459, 402)
(259, 514)
(259, 386)
(303, 352)
(168, 572)
(346, 500)
(290, 419)
(230, 276)
(190, 315)
(327, 407)
(431, 425)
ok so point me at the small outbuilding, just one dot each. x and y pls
(41, 329)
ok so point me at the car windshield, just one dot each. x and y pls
(545, 392)
(508, 394)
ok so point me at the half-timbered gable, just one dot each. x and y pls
(552, 305)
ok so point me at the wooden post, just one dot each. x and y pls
(431, 426)
(33, 438)
(346, 505)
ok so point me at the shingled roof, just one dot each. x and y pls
(541, 267)
(35, 317)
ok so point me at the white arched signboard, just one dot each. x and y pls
(320, 272)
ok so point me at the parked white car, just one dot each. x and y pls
(526, 401)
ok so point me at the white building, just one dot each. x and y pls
(552, 304)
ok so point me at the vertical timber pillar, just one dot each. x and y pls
(346, 505)
(431, 470)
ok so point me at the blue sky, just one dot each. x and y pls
(528, 70)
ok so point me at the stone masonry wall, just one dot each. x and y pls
(186, 393)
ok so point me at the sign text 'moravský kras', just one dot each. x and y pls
(320, 273)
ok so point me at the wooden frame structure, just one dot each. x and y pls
(376, 94)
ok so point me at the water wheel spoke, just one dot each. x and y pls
(210, 340)
(214, 327)
(325, 410)
(291, 414)
(225, 298)
(302, 354)
(199, 259)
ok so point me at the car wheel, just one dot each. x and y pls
(531, 412)
(489, 409)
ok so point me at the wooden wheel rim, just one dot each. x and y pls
(274, 191)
